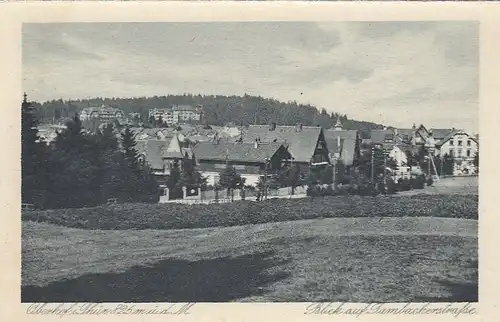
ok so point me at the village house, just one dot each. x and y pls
(250, 160)
(160, 154)
(462, 147)
(306, 144)
(343, 145)
(102, 113)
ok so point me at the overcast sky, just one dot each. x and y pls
(396, 73)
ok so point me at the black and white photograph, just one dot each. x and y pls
(250, 161)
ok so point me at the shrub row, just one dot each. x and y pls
(369, 189)
(176, 216)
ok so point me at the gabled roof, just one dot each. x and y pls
(347, 144)
(451, 134)
(176, 148)
(301, 144)
(239, 152)
(405, 134)
(381, 136)
(153, 150)
(440, 134)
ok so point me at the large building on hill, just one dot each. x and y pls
(178, 114)
(103, 113)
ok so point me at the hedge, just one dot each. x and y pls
(176, 216)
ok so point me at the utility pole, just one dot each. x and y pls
(373, 164)
(265, 182)
(442, 161)
(334, 172)
(429, 165)
(385, 167)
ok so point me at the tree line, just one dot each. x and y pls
(217, 110)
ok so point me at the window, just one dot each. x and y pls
(459, 152)
(239, 167)
(451, 142)
(451, 152)
(459, 142)
(468, 152)
(468, 142)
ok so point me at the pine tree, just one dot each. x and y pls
(128, 146)
(29, 137)
(230, 179)
(448, 165)
(476, 161)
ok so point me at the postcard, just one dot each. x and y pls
(244, 161)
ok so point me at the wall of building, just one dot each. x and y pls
(399, 156)
(461, 146)
(219, 166)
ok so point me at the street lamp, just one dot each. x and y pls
(266, 160)
(386, 154)
(334, 158)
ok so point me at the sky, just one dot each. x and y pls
(395, 73)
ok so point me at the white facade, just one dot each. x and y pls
(399, 156)
(101, 113)
(177, 114)
(462, 147)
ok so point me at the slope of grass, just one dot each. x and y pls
(339, 259)
(178, 216)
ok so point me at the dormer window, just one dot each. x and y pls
(452, 142)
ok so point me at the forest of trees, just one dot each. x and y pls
(80, 169)
(218, 110)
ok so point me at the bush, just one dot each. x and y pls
(391, 187)
(418, 182)
(404, 184)
(179, 216)
(381, 187)
(367, 190)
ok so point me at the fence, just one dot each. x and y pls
(224, 196)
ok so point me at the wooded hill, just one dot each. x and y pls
(218, 110)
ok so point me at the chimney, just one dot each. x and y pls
(272, 126)
(298, 128)
(256, 144)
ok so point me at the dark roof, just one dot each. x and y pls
(381, 136)
(153, 150)
(405, 134)
(239, 152)
(451, 134)
(439, 134)
(301, 144)
(347, 144)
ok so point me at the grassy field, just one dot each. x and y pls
(332, 259)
